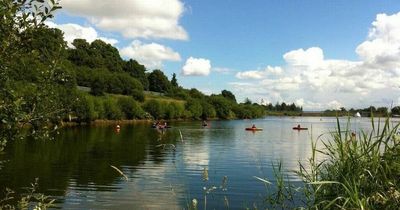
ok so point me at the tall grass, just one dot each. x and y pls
(357, 171)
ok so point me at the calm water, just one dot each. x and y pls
(75, 168)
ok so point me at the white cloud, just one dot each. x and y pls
(133, 18)
(74, 31)
(222, 70)
(196, 67)
(319, 83)
(250, 75)
(260, 74)
(151, 55)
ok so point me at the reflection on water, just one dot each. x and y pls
(75, 168)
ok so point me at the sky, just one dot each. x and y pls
(318, 54)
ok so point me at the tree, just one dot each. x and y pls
(247, 101)
(222, 106)
(229, 95)
(137, 71)
(382, 110)
(155, 109)
(174, 81)
(194, 93)
(158, 82)
(396, 110)
(21, 39)
(195, 108)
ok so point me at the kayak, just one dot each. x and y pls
(297, 128)
(253, 129)
(160, 126)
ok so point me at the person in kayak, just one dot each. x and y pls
(254, 126)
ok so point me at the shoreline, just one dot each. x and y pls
(149, 121)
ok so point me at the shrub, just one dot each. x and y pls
(155, 109)
(130, 108)
(111, 109)
(138, 95)
(84, 108)
(195, 108)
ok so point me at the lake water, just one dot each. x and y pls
(163, 171)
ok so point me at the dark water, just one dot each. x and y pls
(163, 171)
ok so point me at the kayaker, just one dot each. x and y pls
(298, 126)
(254, 126)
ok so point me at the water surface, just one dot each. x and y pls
(163, 170)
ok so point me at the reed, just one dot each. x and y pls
(357, 171)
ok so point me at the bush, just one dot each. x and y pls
(111, 109)
(84, 108)
(222, 106)
(208, 111)
(130, 108)
(138, 95)
(155, 109)
(195, 108)
(99, 108)
(174, 110)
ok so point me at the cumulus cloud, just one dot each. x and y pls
(260, 74)
(222, 70)
(74, 31)
(310, 79)
(133, 18)
(151, 55)
(196, 67)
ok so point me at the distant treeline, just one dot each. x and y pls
(365, 112)
(116, 86)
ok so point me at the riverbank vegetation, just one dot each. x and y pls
(353, 171)
(45, 80)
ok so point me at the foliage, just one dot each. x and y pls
(137, 71)
(229, 95)
(138, 95)
(84, 108)
(154, 108)
(360, 172)
(32, 53)
(158, 82)
(222, 106)
(396, 110)
(353, 171)
(13, 201)
(195, 108)
(130, 108)
(111, 109)
(174, 110)
(174, 81)
(208, 110)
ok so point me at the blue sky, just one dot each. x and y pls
(335, 59)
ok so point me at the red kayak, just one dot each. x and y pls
(253, 129)
(297, 128)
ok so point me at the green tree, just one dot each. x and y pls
(84, 109)
(229, 95)
(21, 39)
(194, 93)
(222, 106)
(158, 82)
(195, 108)
(396, 110)
(130, 108)
(174, 81)
(137, 71)
(155, 109)
(208, 111)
